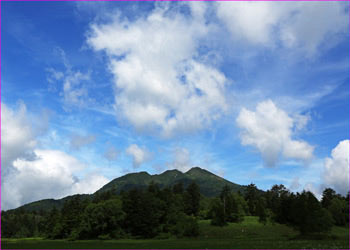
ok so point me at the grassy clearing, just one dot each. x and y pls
(249, 234)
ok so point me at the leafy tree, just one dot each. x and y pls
(50, 222)
(274, 196)
(71, 216)
(279, 201)
(218, 213)
(192, 199)
(339, 210)
(239, 208)
(21, 223)
(251, 197)
(103, 218)
(170, 204)
(233, 205)
(309, 216)
(327, 196)
(261, 210)
(143, 213)
(226, 199)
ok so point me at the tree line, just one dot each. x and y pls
(175, 211)
(301, 211)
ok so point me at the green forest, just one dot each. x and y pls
(176, 212)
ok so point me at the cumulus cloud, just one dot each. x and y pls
(303, 25)
(270, 130)
(29, 173)
(161, 82)
(50, 175)
(78, 141)
(17, 136)
(336, 168)
(181, 160)
(138, 154)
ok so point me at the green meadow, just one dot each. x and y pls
(248, 234)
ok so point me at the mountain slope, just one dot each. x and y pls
(210, 185)
(48, 204)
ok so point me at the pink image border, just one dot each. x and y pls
(152, 1)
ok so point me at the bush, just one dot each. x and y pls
(185, 226)
(218, 214)
(191, 227)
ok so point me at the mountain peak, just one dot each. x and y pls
(172, 171)
(194, 169)
(137, 173)
(198, 170)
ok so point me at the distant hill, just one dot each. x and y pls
(48, 204)
(210, 185)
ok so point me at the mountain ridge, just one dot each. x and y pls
(210, 185)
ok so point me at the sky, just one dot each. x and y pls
(255, 92)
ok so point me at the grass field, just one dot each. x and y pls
(249, 234)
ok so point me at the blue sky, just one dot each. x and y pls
(254, 92)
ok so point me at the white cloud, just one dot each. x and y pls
(270, 130)
(301, 121)
(181, 160)
(296, 25)
(17, 136)
(161, 84)
(50, 175)
(78, 141)
(138, 154)
(89, 184)
(30, 174)
(251, 21)
(311, 24)
(336, 168)
(74, 92)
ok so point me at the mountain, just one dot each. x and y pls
(48, 204)
(210, 185)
